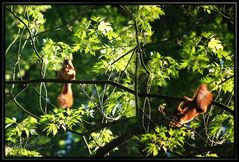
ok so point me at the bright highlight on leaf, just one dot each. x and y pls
(105, 27)
(215, 45)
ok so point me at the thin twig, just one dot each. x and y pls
(86, 144)
(20, 48)
(44, 98)
(226, 79)
(26, 111)
(200, 22)
(121, 75)
(32, 39)
(136, 62)
(98, 95)
(102, 113)
(104, 89)
(141, 59)
(10, 45)
(20, 91)
(123, 56)
(65, 24)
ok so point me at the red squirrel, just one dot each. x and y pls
(191, 108)
(67, 72)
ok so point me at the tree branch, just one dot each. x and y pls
(224, 107)
(164, 97)
(101, 152)
(72, 81)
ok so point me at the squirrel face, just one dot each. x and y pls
(67, 71)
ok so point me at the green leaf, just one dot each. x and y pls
(151, 149)
(215, 45)
(21, 152)
(222, 54)
(104, 27)
(207, 35)
(27, 132)
(10, 121)
(51, 128)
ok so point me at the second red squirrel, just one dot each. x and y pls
(192, 107)
(67, 72)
